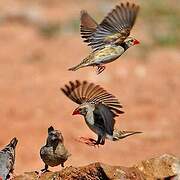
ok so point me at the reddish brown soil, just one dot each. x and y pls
(34, 68)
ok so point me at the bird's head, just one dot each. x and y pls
(13, 142)
(131, 41)
(12, 146)
(54, 136)
(83, 109)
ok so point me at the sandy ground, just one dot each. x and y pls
(33, 69)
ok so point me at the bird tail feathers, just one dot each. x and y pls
(117, 134)
(83, 63)
(74, 68)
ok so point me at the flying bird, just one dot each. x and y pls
(109, 39)
(54, 153)
(99, 109)
(7, 159)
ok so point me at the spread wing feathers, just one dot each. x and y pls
(81, 92)
(88, 26)
(115, 27)
(107, 117)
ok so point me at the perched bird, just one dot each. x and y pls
(99, 109)
(54, 152)
(109, 39)
(7, 159)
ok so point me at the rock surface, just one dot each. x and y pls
(163, 167)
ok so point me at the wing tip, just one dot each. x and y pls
(128, 4)
(82, 13)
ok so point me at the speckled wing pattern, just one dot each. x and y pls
(88, 26)
(115, 27)
(7, 158)
(81, 92)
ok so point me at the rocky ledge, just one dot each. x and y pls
(165, 167)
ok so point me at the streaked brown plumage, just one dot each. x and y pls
(54, 153)
(115, 27)
(110, 35)
(7, 159)
(99, 109)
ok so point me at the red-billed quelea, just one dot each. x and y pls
(99, 109)
(54, 153)
(109, 39)
(7, 159)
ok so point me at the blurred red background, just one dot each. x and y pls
(39, 41)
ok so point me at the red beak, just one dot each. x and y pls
(75, 112)
(136, 42)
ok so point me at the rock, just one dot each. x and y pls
(163, 167)
(160, 167)
(120, 172)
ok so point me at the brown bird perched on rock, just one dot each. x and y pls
(54, 153)
(7, 159)
(109, 39)
(99, 109)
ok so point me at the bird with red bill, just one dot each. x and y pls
(99, 109)
(109, 39)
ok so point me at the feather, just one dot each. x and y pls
(88, 25)
(7, 158)
(107, 118)
(114, 28)
(81, 92)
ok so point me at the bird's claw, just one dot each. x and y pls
(10, 176)
(88, 141)
(42, 171)
(100, 69)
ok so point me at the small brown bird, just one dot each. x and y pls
(99, 109)
(109, 39)
(7, 159)
(54, 153)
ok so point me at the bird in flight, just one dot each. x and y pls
(99, 109)
(109, 39)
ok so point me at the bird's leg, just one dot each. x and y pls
(100, 69)
(88, 141)
(100, 140)
(45, 169)
(10, 175)
(62, 164)
(42, 171)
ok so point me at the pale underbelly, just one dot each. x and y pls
(107, 59)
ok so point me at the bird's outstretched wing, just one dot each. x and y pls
(88, 26)
(81, 92)
(115, 27)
